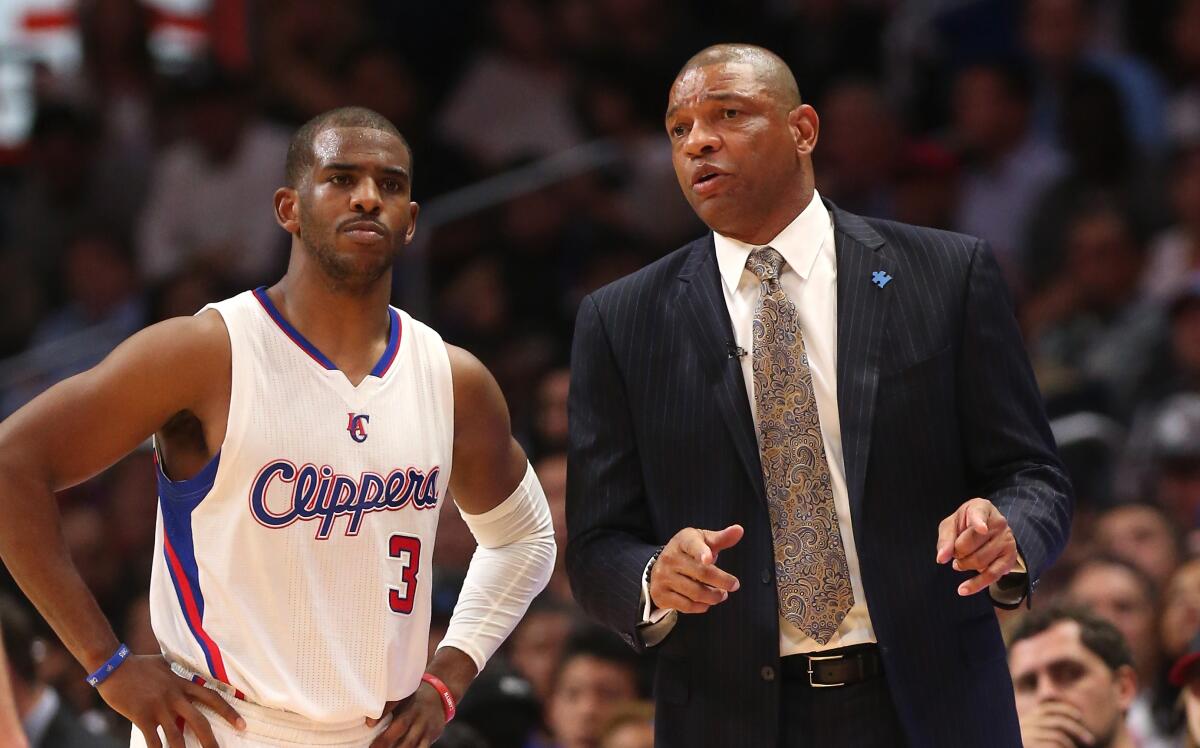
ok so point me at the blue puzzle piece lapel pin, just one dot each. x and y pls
(880, 278)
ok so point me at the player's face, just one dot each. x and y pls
(737, 152)
(1056, 666)
(356, 208)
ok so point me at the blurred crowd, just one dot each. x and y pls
(136, 183)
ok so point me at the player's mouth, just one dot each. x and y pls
(365, 232)
(707, 179)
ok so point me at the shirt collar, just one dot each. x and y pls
(800, 242)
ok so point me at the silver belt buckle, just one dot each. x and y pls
(811, 659)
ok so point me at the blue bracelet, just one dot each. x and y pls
(105, 670)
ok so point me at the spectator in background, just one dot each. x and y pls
(66, 188)
(631, 726)
(1060, 37)
(304, 43)
(518, 86)
(596, 673)
(1074, 679)
(927, 186)
(1163, 461)
(1180, 620)
(1093, 321)
(47, 722)
(1105, 166)
(1183, 39)
(211, 190)
(1121, 594)
(637, 193)
(860, 145)
(1144, 535)
(1174, 259)
(1186, 675)
(1007, 165)
(536, 646)
(102, 307)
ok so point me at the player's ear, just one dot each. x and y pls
(413, 210)
(287, 209)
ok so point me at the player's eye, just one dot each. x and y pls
(391, 185)
(678, 131)
(341, 179)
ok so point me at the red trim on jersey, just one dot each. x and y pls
(193, 612)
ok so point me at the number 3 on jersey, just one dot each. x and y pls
(407, 550)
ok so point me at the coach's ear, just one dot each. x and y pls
(287, 210)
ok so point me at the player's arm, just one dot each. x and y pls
(70, 433)
(504, 506)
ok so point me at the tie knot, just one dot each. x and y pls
(765, 262)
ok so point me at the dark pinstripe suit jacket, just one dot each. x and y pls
(938, 404)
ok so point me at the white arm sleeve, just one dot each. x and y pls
(510, 567)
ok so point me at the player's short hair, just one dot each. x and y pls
(1098, 635)
(300, 155)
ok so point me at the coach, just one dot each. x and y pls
(839, 408)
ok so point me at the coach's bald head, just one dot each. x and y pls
(769, 68)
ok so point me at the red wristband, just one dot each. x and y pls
(448, 705)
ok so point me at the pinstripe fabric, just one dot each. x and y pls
(938, 404)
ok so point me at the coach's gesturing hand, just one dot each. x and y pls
(145, 692)
(977, 538)
(686, 577)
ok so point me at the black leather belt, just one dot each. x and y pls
(835, 667)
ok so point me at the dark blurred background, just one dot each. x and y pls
(141, 141)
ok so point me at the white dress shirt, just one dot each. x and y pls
(809, 278)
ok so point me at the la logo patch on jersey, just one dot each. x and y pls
(357, 426)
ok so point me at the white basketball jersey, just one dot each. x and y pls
(296, 566)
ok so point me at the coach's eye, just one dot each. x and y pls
(730, 113)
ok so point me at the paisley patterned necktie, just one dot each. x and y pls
(811, 575)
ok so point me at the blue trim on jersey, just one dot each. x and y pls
(177, 500)
(261, 294)
(389, 353)
(381, 366)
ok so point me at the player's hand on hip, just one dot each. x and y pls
(148, 694)
(1055, 724)
(977, 538)
(416, 721)
(686, 577)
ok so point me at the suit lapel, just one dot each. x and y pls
(703, 305)
(861, 313)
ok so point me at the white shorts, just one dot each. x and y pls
(272, 727)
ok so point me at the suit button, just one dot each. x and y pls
(768, 673)
(766, 576)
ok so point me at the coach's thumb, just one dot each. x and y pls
(719, 540)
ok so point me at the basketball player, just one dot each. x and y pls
(307, 435)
